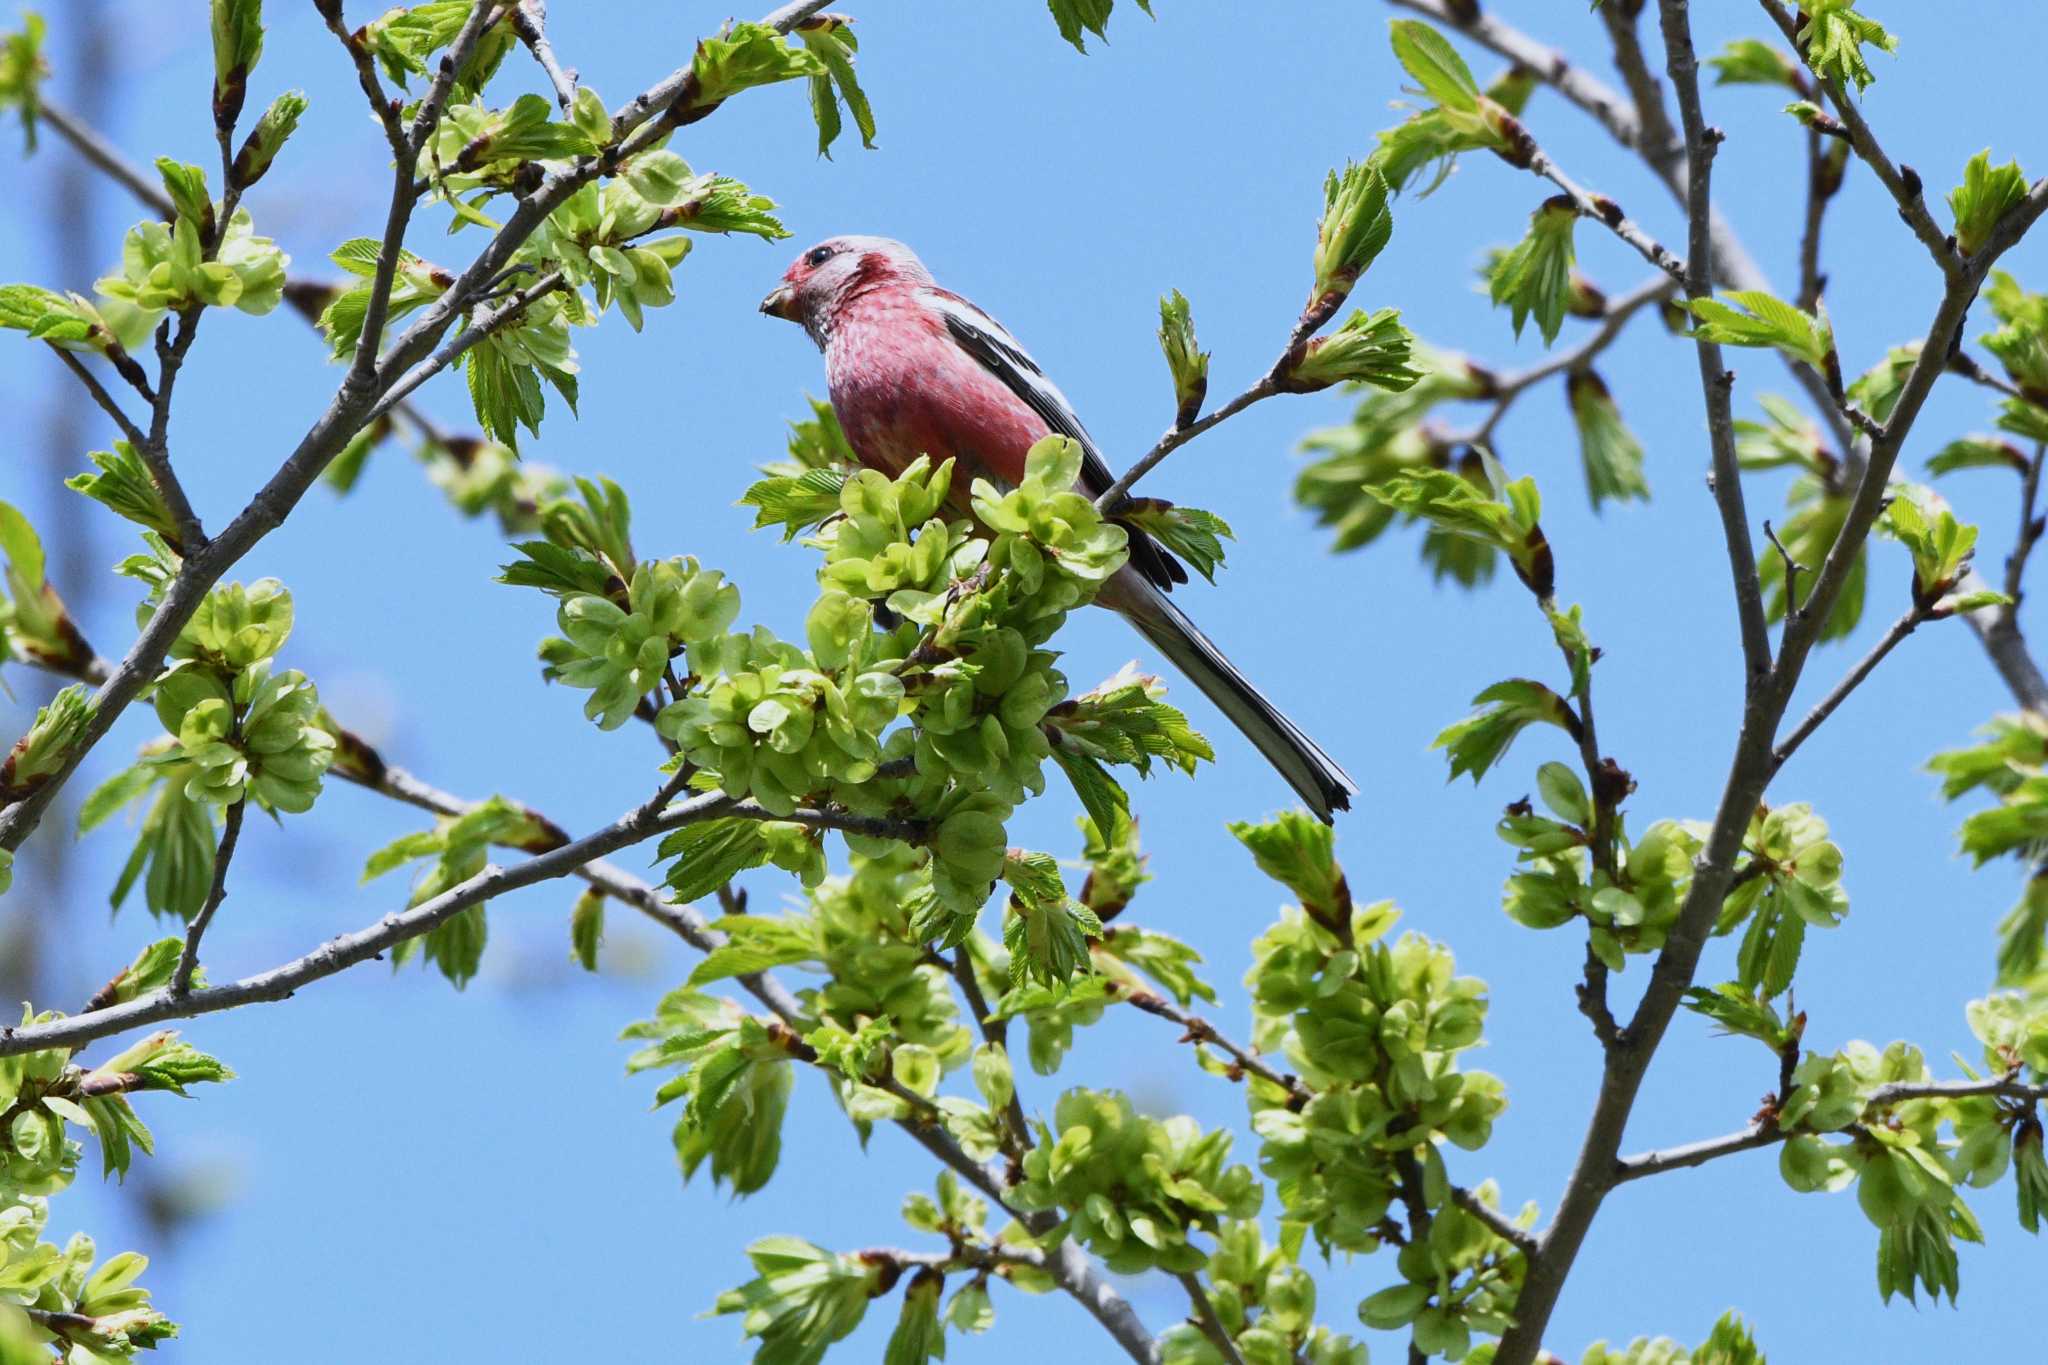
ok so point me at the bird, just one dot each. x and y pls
(914, 369)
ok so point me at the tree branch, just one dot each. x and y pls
(1205, 1317)
(529, 21)
(1497, 1222)
(1508, 388)
(347, 413)
(382, 106)
(188, 956)
(1912, 205)
(1601, 209)
(1196, 1029)
(1825, 707)
(1759, 1135)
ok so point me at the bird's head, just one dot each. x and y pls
(823, 278)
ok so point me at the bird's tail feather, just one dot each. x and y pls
(1313, 774)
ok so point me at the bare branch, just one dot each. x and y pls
(530, 22)
(485, 324)
(1658, 140)
(1758, 1135)
(1825, 707)
(383, 106)
(1601, 209)
(1904, 187)
(1205, 1317)
(1196, 1029)
(2029, 532)
(1497, 1222)
(102, 154)
(1179, 435)
(188, 956)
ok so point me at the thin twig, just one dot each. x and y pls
(1761, 1135)
(383, 106)
(1497, 1222)
(2029, 532)
(1793, 568)
(1508, 388)
(1658, 140)
(485, 324)
(1178, 435)
(188, 956)
(530, 22)
(1905, 191)
(191, 535)
(1899, 630)
(1196, 1029)
(1601, 209)
(994, 1031)
(1205, 1318)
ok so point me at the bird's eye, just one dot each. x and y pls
(817, 256)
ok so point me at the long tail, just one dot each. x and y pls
(1315, 777)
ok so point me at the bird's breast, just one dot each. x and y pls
(902, 388)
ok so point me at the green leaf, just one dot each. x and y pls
(22, 68)
(1124, 720)
(1535, 276)
(186, 186)
(1435, 64)
(1300, 852)
(237, 43)
(1752, 61)
(711, 853)
(830, 39)
(1738, 1011)
(1355, 227)
(124, 485)
(267, 138)
(1506, 521)
(802, 1300)
(1832, 37)
(1189, 532)
(1505, 709)
(1986, 195)
(1612, 455)
(1102, 796)
(586, 928)
(1759, 319)
(1370, 348)
(1092, 16)
(1941, 546)
(1977, 452)
(744, 56)
(797, 503)
(1186, 362)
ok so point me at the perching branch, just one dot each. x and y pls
(1179, 435)
(188, 956)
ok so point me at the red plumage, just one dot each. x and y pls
(916, 370)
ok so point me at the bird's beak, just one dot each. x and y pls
(779, 303)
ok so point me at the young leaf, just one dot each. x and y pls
(1186, 362)
(1612, 455)
(830, 39)
(1832, 38)
(123, 484)
(1370, 348)
(1752, 61)
(1759, 319)
(1189, 532)
(1536, 275)
(1355, 227)
(1505, 709)
(1436, 66)
(743, 56)
(1986, 195)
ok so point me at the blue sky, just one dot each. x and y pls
(411, 1174)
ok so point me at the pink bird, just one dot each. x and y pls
(916, 370)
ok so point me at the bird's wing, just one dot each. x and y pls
(1002, 355)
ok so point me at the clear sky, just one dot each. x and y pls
(414, 1175)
